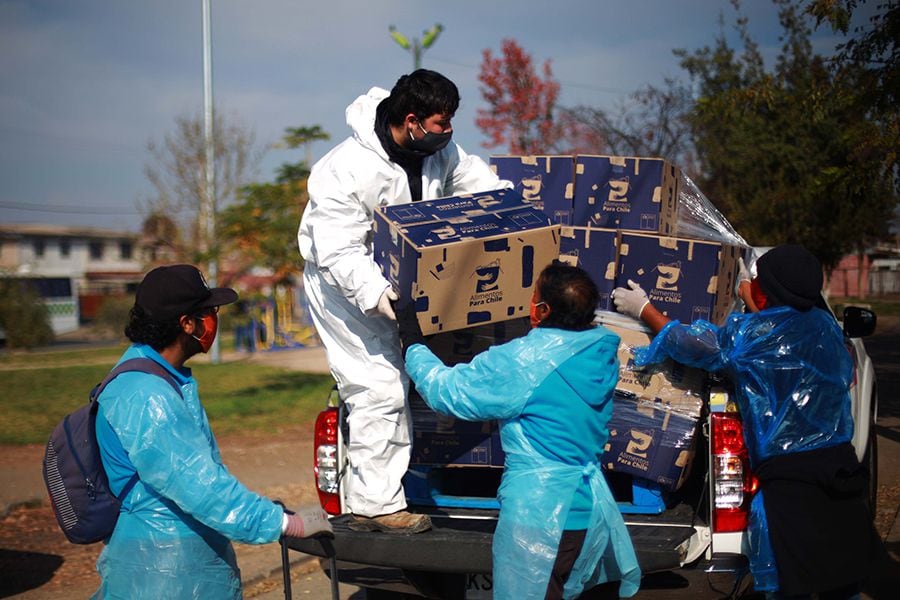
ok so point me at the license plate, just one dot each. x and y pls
(479, 586)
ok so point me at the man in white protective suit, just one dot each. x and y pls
(400, 151)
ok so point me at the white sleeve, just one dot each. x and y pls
(341, 228)
(471, 174)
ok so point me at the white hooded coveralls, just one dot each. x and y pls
(343, 285)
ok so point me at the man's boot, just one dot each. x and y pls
(399, 522)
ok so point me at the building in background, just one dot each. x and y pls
(72, 268)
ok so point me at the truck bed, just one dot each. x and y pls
(460, 542)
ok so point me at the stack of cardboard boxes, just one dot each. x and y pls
(618, 218)
(469, 263)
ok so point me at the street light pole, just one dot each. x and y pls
(417, 47)
(209, 195)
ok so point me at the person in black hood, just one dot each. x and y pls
(810, 530)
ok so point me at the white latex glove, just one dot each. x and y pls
(384, 307)
(307, 522)
(743, 275)
(743, 271)
(630, 301)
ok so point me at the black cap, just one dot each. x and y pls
(175, 290)
(790, 276)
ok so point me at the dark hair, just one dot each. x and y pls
(141, 329)
(571, 296)
(422, 93)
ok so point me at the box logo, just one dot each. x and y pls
(668, 276)
(487, 290)
(618, 190)
(394, 271)
(639, 443)
(531, 188)
(487, 201)
(487, 277)
(444, 233)
(666, 288)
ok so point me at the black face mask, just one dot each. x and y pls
(430, 142)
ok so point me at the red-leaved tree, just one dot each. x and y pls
(521, 102)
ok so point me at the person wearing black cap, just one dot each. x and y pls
(810, 529)
(172, 539)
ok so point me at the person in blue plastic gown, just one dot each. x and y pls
(172, 536)
(810, 530)
(559, 530)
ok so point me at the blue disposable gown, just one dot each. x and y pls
(537, 491)
(172, 537)
(792, 375)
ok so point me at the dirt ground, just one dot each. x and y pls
(36, 561)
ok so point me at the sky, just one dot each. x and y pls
(85, 85)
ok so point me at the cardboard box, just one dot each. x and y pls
(465, 260)
(668, 384)
(462, 345)
(619, 192)
(595, 251)
(685, 279)
(548, 182)
(651, 442)
(443, 440)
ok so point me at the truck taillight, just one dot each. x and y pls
(733, 482)
(325, 461)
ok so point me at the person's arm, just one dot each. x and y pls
(491, 386)
(174, 457)
(696, 345)
(743, 291)
(633, 301)
(470, 174)
(340, 226)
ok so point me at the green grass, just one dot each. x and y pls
(61, 358)
(239, 397)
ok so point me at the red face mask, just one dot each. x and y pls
(532, 312)
(756, 293)
(210, 323)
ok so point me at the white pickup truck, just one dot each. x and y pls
(699, 526)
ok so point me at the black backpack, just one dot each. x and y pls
(84, 506)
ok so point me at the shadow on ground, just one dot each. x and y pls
(23, 571)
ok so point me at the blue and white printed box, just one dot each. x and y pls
(548, 182)
(621, 192)
(685, 279)
(465, 260)
(595, 251)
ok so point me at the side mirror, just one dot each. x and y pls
(858, 322)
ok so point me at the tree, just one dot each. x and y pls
(523, 114)
(262, 225)
(780, 150)
(177, 173)
(521, 102)
(23, 316)
(870, 62)
(294, 137)
(653, 122)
